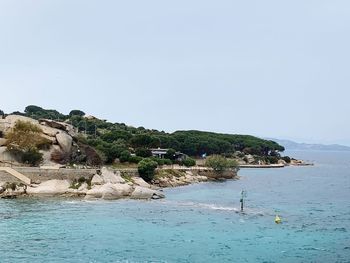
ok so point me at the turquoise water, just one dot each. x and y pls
(197, 223)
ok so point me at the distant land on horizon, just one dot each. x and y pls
(291, 145)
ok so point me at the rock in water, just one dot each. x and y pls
(145, 193)
(109, 191)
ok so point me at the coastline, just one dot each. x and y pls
(111, 183)
(105, 183)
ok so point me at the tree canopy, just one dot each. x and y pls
(76, 113)
(113, 139)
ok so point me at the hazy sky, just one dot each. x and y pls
(267, 68)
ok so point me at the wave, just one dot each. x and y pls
(215, 207)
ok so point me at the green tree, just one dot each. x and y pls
(170, 154)
(286, 159)
(2, 113)
(188, 162)
(112, 136)
(76, 113)
(143, 152)
(147, 169)
(32, 109)
(220, 163)
(37, 112)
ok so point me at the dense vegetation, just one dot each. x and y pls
(117, 140)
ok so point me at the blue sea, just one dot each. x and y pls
(196, 223)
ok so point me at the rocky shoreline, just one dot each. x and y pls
(110, 184)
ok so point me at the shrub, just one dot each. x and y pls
(286, 159)
(124, 156)
(167, 161)
(219, 163)
(146, 169)
(170, 154)
(161, 161)
(188, 162)
(81, 179)
(272, 159)
(135, 159)
(85, 154)
(32, 157)
(93, 158)
(11, 186)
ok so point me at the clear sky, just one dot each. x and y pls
(268, 68)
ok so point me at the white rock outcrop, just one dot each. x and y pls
(146, 193)
(109, 191)
(56, 134)
(2, 141)
(109, 176)
(250, 158)
(10, 121)
(51, 187)
(49, 131)
(140, 182)
(96, 180)
(60, 126)
(65, 141)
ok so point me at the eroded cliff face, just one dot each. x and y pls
(59, 134)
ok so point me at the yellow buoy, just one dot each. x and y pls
(278, 220)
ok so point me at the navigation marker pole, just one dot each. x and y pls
(243, 195)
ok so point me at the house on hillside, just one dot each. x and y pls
(161, 153)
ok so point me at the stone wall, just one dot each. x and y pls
(37, 174)
(40, 175)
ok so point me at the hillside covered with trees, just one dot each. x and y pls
(118, 140)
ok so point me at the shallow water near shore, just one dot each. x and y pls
(196, 223)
